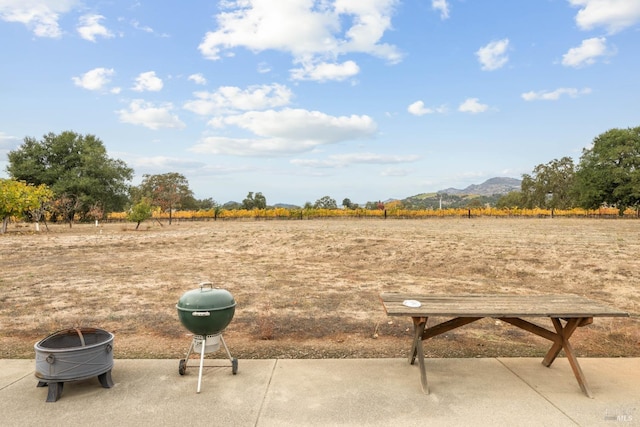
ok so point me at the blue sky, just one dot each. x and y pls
(300, 99)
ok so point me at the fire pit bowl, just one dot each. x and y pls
(72, 355)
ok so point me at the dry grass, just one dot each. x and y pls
(310, 288)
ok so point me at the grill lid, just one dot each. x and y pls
(206, 298)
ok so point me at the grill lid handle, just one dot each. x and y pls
(203, 284)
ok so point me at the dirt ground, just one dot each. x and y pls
(310, 289)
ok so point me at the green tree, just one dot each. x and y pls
(513, 199)
(346, 203)
(191, 203)
(372, 206)
(325, 202)
(168, 191)
(609, 171)
(75, 167)
(257, 201)
(549, 186)
(140, 211)
(18, 199)
(474, 203)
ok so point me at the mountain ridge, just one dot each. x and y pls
(497, 185)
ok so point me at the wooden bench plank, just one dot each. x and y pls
(492, 305)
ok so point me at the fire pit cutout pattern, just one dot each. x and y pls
(73, 355)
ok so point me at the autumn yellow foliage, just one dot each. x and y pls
(391, 211)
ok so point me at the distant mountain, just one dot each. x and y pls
(485, 194)
(488, 188)
(286, 206)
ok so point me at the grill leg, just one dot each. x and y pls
(204, 343)
(191, 347)
(226, 348)
(234, 361)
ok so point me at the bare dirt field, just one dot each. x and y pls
(310, 289)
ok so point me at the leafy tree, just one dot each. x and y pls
(549, 186)
(374, 206)
(609, 171)
(208, 204)
(167, 190)
(474, 203)
(232, 205)
(140, 211)
(65, 207)
(325, 202)
(512, 199)
(75, 167)
(96, 212)
(18, 198)
(346, 203)
(257, 201)
(191, 203)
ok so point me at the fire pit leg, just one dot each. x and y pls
(54, 392)
(105, 379)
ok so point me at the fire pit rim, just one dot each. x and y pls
(38, 346)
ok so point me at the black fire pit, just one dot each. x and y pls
(73, 355)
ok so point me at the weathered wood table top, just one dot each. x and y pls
(493, 305)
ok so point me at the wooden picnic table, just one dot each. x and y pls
(567, 313)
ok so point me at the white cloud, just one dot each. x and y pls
(442, 6)
(148, 81)
(418, 109)
(342, 160)
(395, 172)
(472, 105)
(90, 27)
(40, 16)
(323, 30)
(285, 132)
(164, 163)
(614, 15)
(263, 68)
(8, 143)
(150, 116)
(96, 79)
(231, 99)
(325, 71)
(493, 55)
(586, 53)
(144, 28)
(197, 79)
(555, 95)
